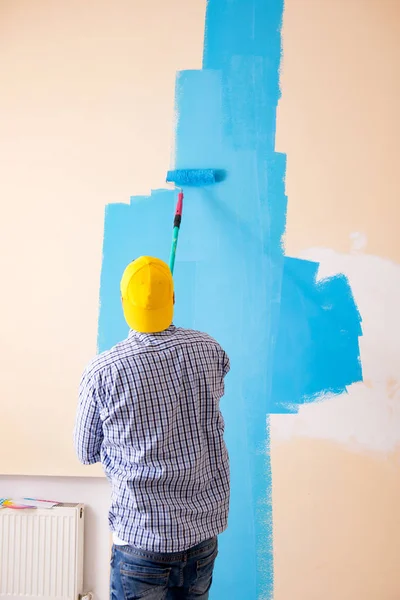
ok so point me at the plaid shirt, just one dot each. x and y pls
(149, 411)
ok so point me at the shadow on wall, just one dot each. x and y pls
(289, 337)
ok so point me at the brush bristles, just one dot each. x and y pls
(191, 177)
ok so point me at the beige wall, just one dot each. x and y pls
(335, 465)
(336, 522)
(339, 123)
(86, 118)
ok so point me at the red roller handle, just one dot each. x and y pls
(179, 204)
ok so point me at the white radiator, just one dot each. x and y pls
(41, 553)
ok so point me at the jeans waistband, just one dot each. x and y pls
(169, 557)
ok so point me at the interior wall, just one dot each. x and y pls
(335, 464)
(338, 124)
(86, 118)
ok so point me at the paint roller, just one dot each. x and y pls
(190, 178)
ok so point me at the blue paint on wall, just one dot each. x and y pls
(317, 339)
(289, 337)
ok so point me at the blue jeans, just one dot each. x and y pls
(139, 574)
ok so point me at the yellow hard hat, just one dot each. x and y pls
(147, 291)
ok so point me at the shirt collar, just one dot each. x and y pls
(151, 338)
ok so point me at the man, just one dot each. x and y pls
(149, 411)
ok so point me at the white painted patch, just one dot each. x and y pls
(368, 417)
(358, 241)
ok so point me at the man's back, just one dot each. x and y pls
(161, 439)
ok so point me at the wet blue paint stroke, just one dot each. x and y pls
(289, 337)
